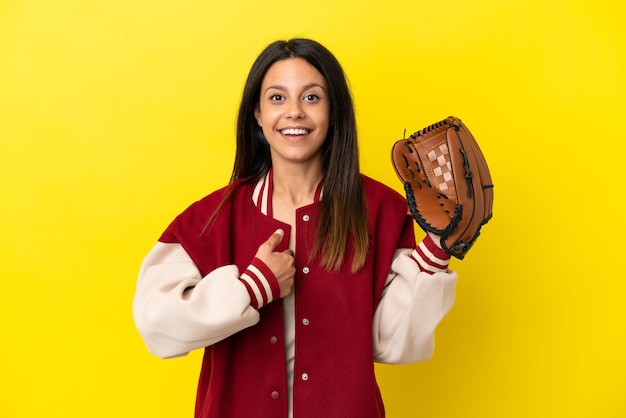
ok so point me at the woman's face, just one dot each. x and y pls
(293, 111)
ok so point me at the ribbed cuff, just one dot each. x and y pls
(429, 257)
(260, 283)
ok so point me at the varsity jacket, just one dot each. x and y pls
(202, 287)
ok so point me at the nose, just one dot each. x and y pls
(295, 110)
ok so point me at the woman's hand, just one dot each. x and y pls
(282, 264)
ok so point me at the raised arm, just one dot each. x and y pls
(420, 291)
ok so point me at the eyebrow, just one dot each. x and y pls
(306, 87)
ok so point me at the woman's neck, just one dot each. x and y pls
(296, 184)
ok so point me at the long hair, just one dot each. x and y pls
(343, 210)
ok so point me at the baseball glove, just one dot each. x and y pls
(447, 183)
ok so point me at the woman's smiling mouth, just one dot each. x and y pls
(294, 131)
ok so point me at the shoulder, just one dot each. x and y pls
(380, 194)
(388, 214)
(193, 220)
(212, 201)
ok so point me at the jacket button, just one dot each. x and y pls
(305, 270)
(273, 339)
(306, 218)
(305, 376)
(305, 321)
(275, 395)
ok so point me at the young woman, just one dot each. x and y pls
(300, 273)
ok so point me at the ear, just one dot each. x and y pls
(257, 114)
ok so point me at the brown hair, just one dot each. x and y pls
(343, 210)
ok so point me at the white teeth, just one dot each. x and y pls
(293, 131)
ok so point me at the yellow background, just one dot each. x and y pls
(115, 115)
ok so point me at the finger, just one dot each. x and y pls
(275, 239)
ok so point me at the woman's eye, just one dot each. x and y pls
(311, 97)
(276, 97)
